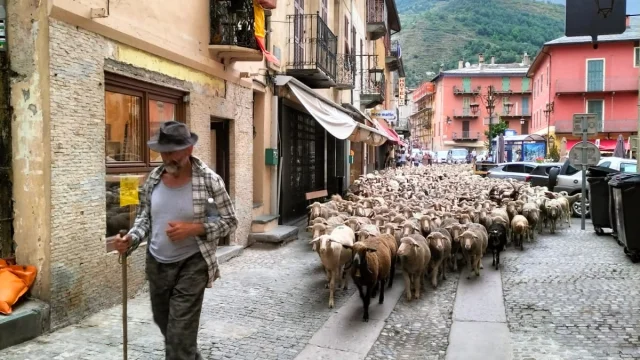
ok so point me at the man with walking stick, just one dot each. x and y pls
(184, 210)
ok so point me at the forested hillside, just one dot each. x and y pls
(436, 32)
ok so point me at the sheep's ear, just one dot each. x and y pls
(309, 229)
(314, 241)
(309, 207)
(371, 250)
(350, 247)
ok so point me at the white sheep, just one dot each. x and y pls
(334, 256)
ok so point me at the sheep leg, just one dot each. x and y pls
(472, 263)
(478, 263)
(366, 300)
(381, 299)
(393, 272)
(407, 285)
(374, 290)
(344, 279)
(493, 263)
(417, 285)
(444, 268)
(332, 288)
(434, 275)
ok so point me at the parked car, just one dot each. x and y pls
(513, 170)
(568, 179)
(619, 164)
(441, 156)
(459, 156)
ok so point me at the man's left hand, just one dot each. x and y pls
(178, 230)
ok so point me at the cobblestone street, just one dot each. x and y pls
(572, 295)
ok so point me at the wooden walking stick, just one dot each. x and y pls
(123, 260)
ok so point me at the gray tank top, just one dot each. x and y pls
(171, 204)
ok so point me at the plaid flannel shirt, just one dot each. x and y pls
(206, 184)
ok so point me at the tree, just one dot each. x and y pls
(554, 153)
(496, 129)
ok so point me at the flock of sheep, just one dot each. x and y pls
(425, 220)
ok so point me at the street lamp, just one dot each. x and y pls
(448, 120)
(489, 101)
(521, 121)
(547, 112)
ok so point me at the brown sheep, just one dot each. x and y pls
(473, 244)
(519, 230)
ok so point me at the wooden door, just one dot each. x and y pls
(220, 156)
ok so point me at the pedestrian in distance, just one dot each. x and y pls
(184, 210)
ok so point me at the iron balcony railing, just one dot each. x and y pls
(466, 135)
(232, 23)
(376, 12)
(371, 79)
(464, 112)
(395, 49)
(466, 91)
(606, 84)
(346, 76)
(312, 45)
(620, 125)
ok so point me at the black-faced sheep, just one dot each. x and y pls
(370, 268)
(497, 241)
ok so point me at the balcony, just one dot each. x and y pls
(464, 113)
(232, 35)
(372, 81)
(610, 126)
(394, 52)
(610, 85)
(403, 126)
(467, 90)
(376, 19)
(346, 76)
(516, 115)
(312, 51)
(466, 136)
(422, 118)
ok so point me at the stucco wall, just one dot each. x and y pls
(83, 278)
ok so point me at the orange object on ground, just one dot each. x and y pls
(25, 273)
(11, 289)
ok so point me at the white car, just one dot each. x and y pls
(619, 164)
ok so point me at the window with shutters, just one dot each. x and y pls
(466, 84)
(636, 57)
(597, 107)
(325, 10)
(525, 84)
(506, 83)
(525, 106)
(595, 75)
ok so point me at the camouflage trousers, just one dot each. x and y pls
(177, 291)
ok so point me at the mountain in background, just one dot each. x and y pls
(441, 32)
(438, 33)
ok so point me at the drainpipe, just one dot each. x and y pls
(6, 186)
(273, 143)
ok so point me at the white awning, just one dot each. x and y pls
(368, 135)
(330, 115)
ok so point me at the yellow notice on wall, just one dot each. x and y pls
(129, 190)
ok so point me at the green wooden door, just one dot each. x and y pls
(525, 84)
(595, 75)
(466, 84)
(466, 106)
(506, 83)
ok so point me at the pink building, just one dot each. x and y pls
(573, 77)
(455, 125)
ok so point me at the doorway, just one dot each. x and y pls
(220, 156)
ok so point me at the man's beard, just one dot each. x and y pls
(172, 167)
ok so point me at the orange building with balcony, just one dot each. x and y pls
(569, 76)
(457, 123)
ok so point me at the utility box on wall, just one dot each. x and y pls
(271, 156)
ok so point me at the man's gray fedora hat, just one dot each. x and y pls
(172, 136)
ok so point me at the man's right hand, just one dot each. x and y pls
(122, 243)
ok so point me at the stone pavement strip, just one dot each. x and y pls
(572, 295)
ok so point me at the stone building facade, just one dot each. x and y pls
(60, 142)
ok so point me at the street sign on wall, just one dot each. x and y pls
(389, 115)
(593, 124)
(593, 154)
(402, 95)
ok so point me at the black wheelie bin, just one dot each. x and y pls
(626, 200)
(599, 197)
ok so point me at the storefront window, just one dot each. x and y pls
(134, 111)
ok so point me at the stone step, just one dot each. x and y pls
(264, 223)
(281, 234)
(29, 319)
(226, 253)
